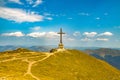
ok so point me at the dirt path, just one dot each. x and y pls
(31, 63)
(14, 58)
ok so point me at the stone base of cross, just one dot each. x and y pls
(60, 46)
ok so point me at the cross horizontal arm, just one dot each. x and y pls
(60, 33)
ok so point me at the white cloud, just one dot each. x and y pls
(49, 18)
(84, 14)
(90, 34)
(69, 39)
(47, 14)
(36, 34)
(102, 39)
(37, 3)
(66, 37)
(43, 34)
(52, 35)
(36, 28)
(34, 3)
(17, 34)
(19, 15)
(77, 33)
(106, 34)
(30, 1)
(86, 39)
(16, 1)
(97, 18)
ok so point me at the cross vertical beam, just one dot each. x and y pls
(61, 33)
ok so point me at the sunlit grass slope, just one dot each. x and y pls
(74, 65)
(60, 65)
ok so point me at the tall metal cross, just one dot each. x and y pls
(61, 34)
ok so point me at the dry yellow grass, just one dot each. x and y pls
(60, 65)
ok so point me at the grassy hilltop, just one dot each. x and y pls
(23, 64)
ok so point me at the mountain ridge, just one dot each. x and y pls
(112, 56)
(59, 65)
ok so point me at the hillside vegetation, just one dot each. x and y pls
(24, 64)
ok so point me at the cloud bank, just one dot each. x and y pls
(16, 34)
(19, 15)
(86, 36)
(16, 1)
(43, 34)
(90, 34)
(106, 34)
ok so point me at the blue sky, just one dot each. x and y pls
(87, 23)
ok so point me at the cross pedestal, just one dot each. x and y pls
(61, 46)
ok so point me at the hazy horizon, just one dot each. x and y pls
(55, 46)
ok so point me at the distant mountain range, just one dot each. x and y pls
(34, 48)
(112, 56)
(46, 48)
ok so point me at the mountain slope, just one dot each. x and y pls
(112, 56)
(60, 65)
